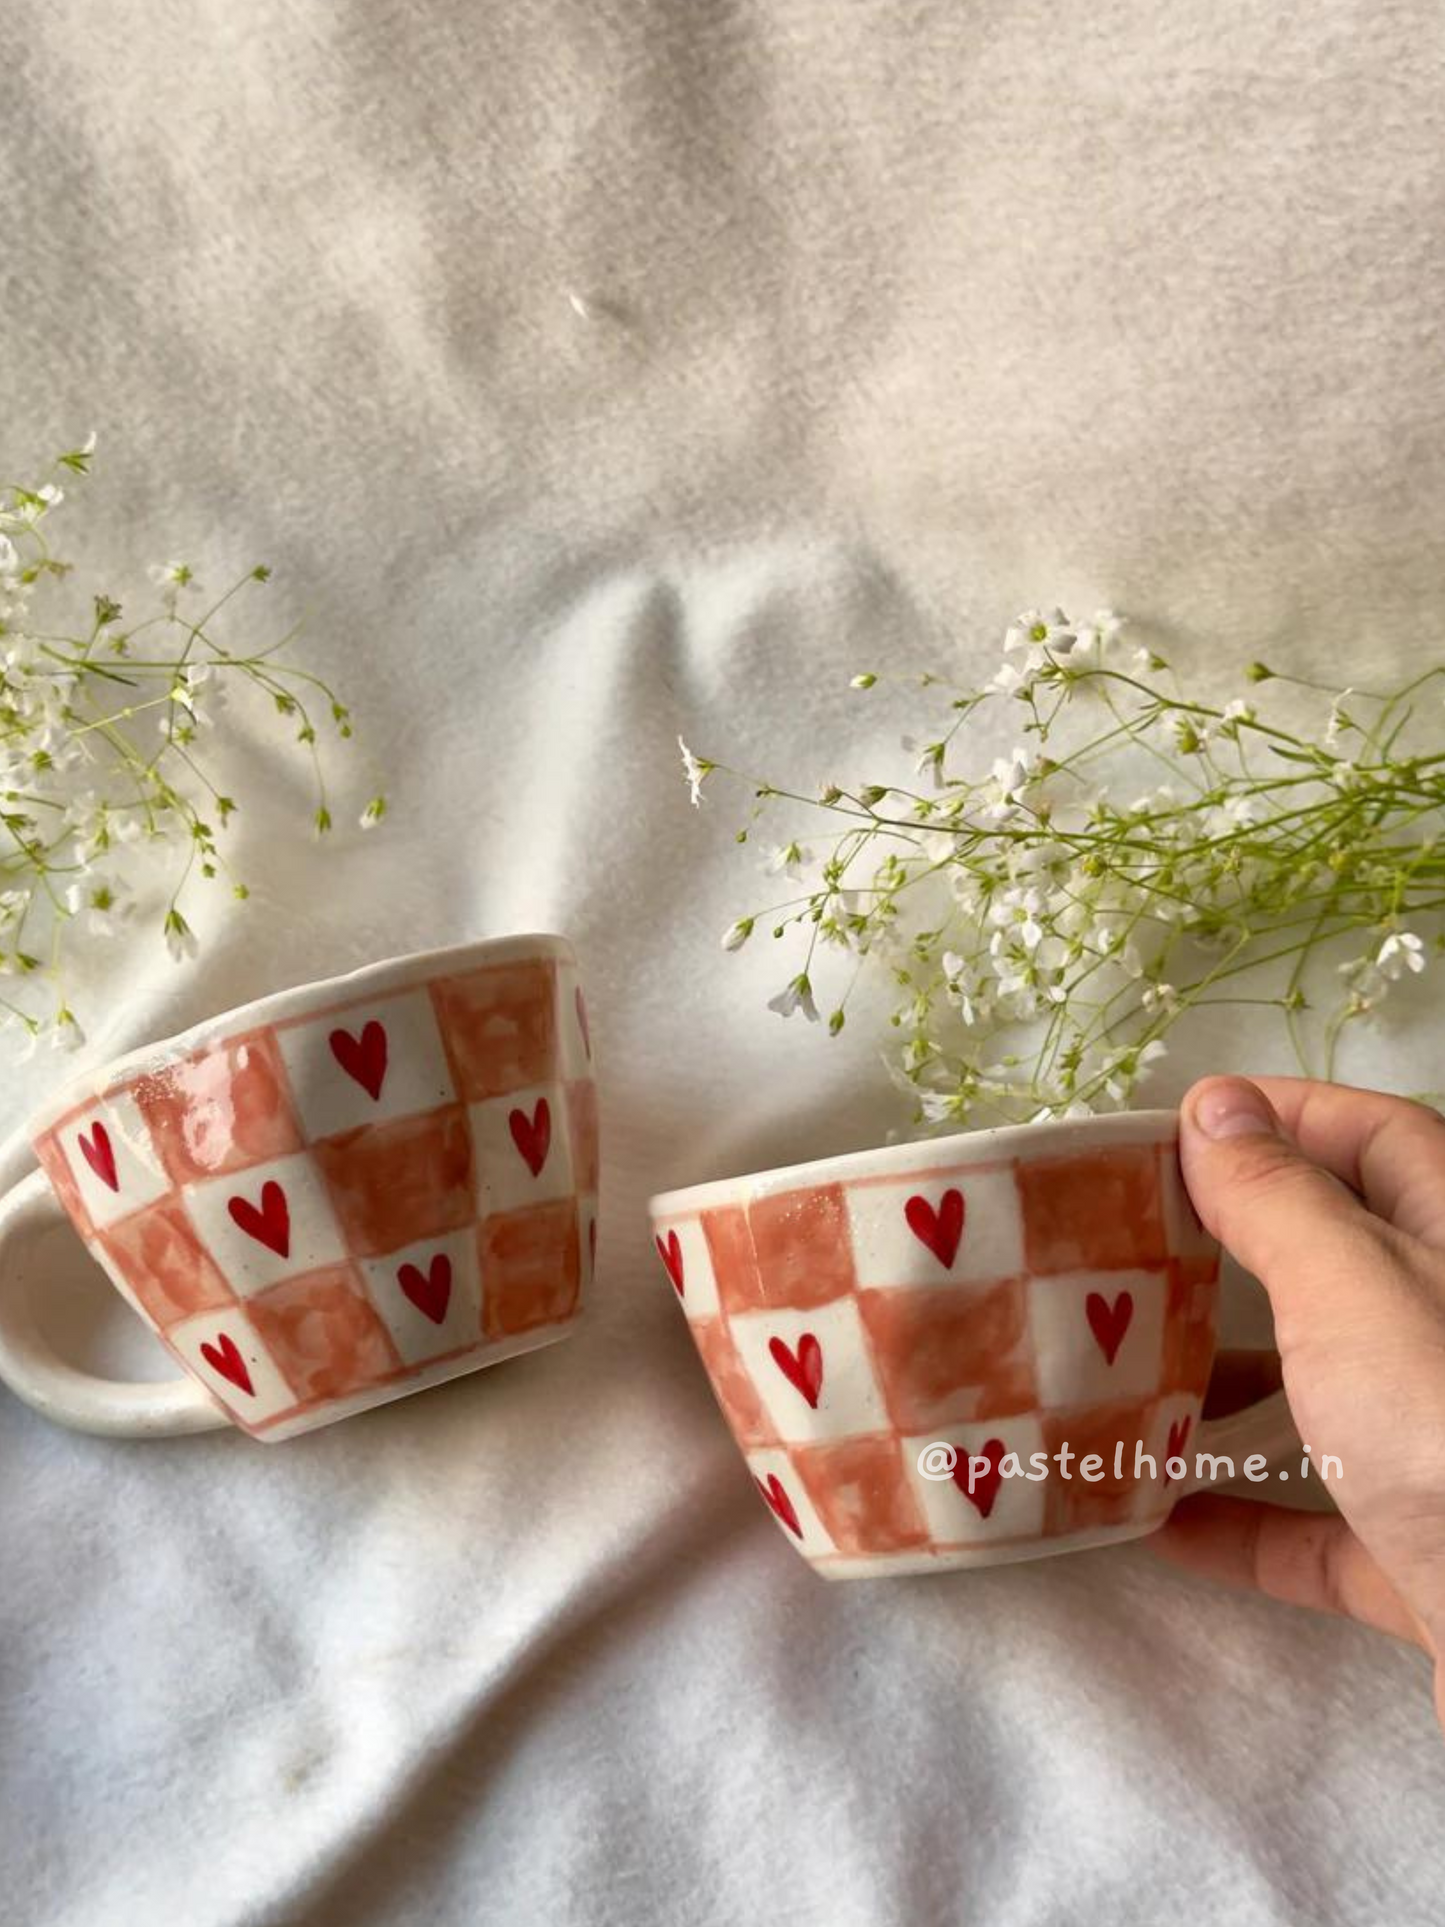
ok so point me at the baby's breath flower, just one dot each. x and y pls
(696, 770)
(100, 754)
(788, 860)
(1401, 951)
(797, 996)
(1043, 932)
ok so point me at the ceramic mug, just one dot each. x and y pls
(893, 1335)
(327, 1199)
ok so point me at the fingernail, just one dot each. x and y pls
(1234, 1108)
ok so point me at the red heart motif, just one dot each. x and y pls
(983, 1491)
(224, 1358)
(671, 1255)
(362, 1058)
(582, 1023)
(803, 1369)
(99, 1154)
(775, 1493)
(1109, 1322)
(271, 1224)
(940, 1230)
(533, 1135)
(1178, 1439)
(430, 1290)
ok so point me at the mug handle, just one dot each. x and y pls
(1264, 1430)
(32, 1369)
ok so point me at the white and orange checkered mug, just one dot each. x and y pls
(921, 1349)
(327, 1199)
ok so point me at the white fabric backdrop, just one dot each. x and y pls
(903, 316)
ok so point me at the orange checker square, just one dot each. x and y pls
(582, 1119)
(221, 1109)
(165, 1264)
(1075, 1503)
(860, 1490)
(802, 1248)
(323, 1333)
(734, 1390)
(531, 1267)
(952, 1355)
(56, 1167)
(395, 1184)
(1096, 1211)
(734, 1264)
(1190, 1318)
(499, 1027)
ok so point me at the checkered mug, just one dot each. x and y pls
(904, 1342)
(327, 1199)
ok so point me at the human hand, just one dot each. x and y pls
(1335, 1199)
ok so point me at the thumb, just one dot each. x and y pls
(1295, 1226)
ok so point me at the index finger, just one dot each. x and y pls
(1389, 1150)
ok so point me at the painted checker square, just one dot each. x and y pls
(948, 1355)
(786, 1497)
(990, 1495)
(962, 1229)
(687, 1255)
(112, 1160)
(385, 1060)
(224, 1108)
(157, 1257)
(353, 1190)
(1098, 1334)
(500, 1027)
(271, 1222)
(390, 1184)
(811, 1370)
(524, 1149)
(429, 1295)
(574, 1025)
(225, 1351)
(850, 1314)
(324, 1333)
(737, 1396)
(863, 1494)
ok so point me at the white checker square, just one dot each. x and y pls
(123, 1170)
(967, 1227)
(429, 1296)
(1173, 1430)
(225, 1352)
(1008, 1507)
(295, 1235)
(1097, 1335)
(522, 1151)
(786, 1497)
(574, 1032)
(367, 1064)
(1184, 1234)
(812, 1369)
(690, 1256)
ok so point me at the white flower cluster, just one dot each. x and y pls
(1048, 922)
(100, 756)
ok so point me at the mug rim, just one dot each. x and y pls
(378, 978)
(960, 1148)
